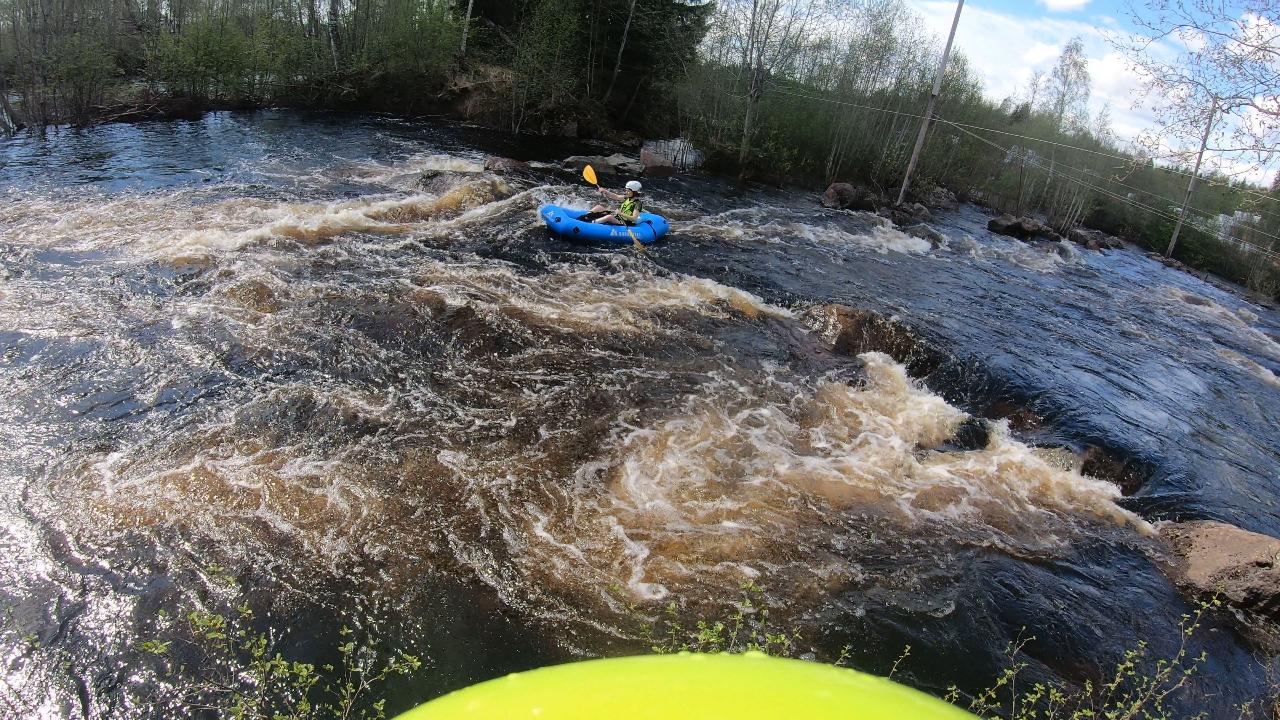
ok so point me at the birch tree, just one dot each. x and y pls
(1196, 54)
(1068, 87)
(775, 30)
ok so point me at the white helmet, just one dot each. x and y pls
(633, 185)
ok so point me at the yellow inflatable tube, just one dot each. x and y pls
(688, 687)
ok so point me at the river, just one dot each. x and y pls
(257, 358)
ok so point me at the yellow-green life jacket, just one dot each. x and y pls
(630, 210)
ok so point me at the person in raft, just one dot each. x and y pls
(628, 213)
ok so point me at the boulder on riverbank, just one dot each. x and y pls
(615, 164)
(1170, 262)
(845, 196)
(1239, 567)
(942, 199)
(664, 158)
(906, 214)
(1023, 228)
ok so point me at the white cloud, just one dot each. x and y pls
(1063, 5)
(1039, 52)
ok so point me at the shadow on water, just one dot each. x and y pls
(256, 357)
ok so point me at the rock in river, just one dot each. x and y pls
(926, 232)
(941, 198)
(1241, 568)
(1022, 228)
(615, 164)
(500, 165)
(1094, 239)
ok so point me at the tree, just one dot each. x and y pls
(466, 27)
(1034, 88)
(774, 31)
(1068, 86)
(1212, 73)
(1195, 55)
(1102, 128)
(622, 45)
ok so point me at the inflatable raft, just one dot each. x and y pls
(688, 687)
(566, 222)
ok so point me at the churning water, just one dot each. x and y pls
(330, 366)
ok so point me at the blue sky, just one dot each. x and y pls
(1062, 8)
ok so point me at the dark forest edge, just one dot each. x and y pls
(780, 91)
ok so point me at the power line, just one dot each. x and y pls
(1127, 159)
(1206, 213)
(1154, 211)
(1131, 160)
(1129, 201)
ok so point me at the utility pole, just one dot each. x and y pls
(928, 111)
(1204, 141)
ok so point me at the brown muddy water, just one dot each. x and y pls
(258, 358)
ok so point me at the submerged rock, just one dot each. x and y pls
(1020, 418)
(1128, 475)
(852, 331)
(1239, 567)
(254, 295)
(500, 165)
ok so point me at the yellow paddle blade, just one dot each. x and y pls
(635, 241)
(589, 174)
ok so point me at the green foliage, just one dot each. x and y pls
(748, 628)
(240, 674)
(207, 61)
(81, 68)
(1138, 687)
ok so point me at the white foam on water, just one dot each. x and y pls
(1249, 366)
(406, 172)
(721, 481)
(583, 297)
(1197, 307)
(193, 222)
(772, 225)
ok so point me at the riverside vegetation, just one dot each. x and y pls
(242, 675)
(780, 90)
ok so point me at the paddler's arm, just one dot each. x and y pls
(614, 195)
